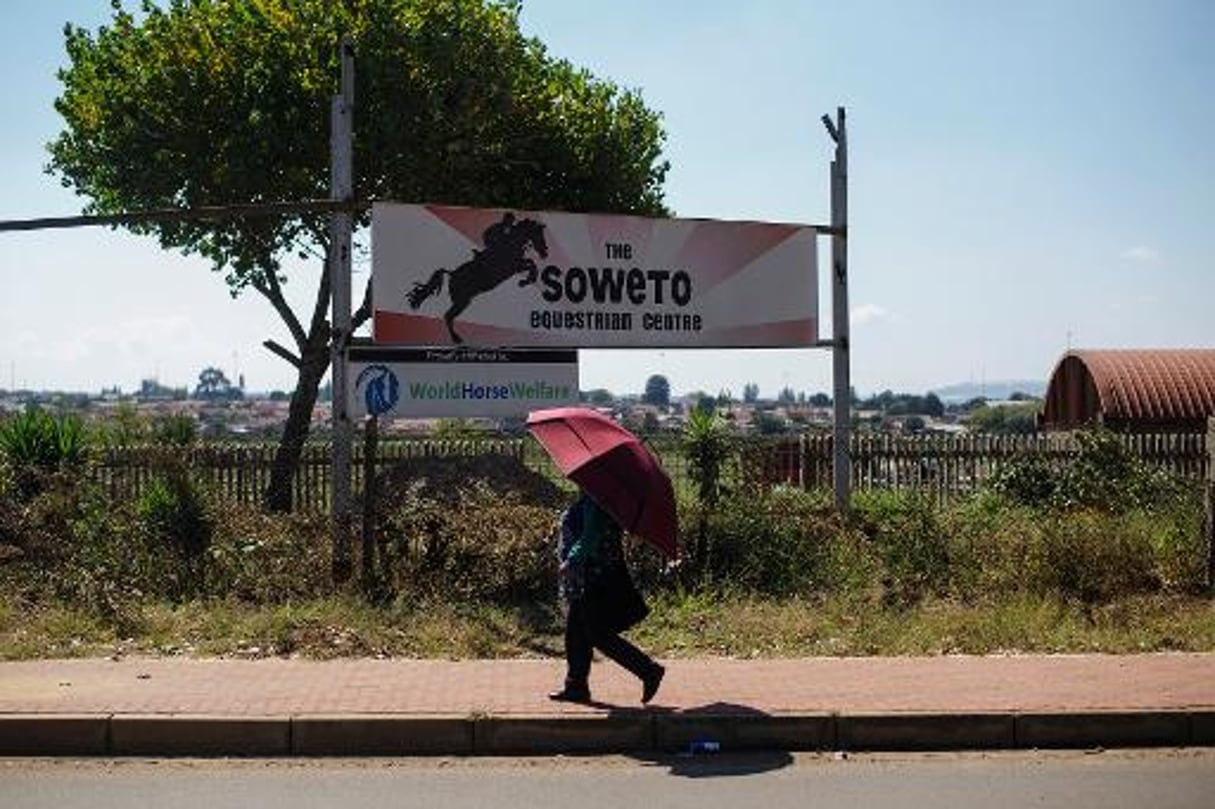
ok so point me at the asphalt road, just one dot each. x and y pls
(1160, 779)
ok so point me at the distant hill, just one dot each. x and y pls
(999, 389)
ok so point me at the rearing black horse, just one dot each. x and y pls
(487, 269)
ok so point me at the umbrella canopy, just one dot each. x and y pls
(613, 467)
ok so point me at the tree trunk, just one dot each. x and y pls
(313, 365)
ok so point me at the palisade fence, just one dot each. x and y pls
(938, 466)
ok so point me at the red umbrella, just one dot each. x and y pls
(613, 467)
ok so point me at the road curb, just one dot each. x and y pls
(380, 735)
(199, 735)
(169, 735)
(963, 731)
(54, 734)
(1105, 729)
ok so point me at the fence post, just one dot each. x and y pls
(1209, 502)
(371, 440)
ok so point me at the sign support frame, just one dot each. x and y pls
(841, 462)
(341, 226)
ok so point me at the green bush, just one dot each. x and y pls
(174, 515)
(1092, 558)
(906, 532)
(1105, 475)
(36, 444)
(175, 430)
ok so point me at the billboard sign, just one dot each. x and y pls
(458, 382)
(495, 277)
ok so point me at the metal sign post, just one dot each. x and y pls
(841, 466)
(340, 227)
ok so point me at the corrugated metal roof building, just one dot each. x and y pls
(1132, 389)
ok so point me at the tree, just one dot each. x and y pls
(205, 103)
(766, 423)
(750, 393)
(1021, 418)
(213, 384)
(657, 391)
(599, 396)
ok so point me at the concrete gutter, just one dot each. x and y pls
(158, 735)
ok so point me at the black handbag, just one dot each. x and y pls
(613, 602)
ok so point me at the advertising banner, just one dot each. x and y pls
(458, 382)
(491, 277)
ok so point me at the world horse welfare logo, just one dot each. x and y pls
(379, 388)
(446, 276)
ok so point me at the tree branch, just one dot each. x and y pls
(282, 352)
(363, 313)
(320, 310)
(267, 284)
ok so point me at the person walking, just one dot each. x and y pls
(601, 602)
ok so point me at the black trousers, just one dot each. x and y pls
(582, 636)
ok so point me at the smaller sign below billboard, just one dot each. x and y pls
(458, 382)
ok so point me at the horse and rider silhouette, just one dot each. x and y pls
(506, 243)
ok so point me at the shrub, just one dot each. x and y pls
(1093, 558)
(36, 444)
(175, 430)
(173, 514)
(268, 558)
(777, 541)
(1104, 475)
(908, 537)
(491, 547)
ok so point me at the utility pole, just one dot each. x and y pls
(340, 227)
(841, 466)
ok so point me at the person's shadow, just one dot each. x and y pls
(684, 736)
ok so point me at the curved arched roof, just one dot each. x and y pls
(1132, 388)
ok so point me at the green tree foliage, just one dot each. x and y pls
(657, 391)
(203, 102)
(905, 404)
(600, 397)
(750, 393)
(213, 385)
(1010, 418)
(768, 423)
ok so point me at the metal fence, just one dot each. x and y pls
(937, 465)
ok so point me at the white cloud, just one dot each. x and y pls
(867, 313)
(1141, 254)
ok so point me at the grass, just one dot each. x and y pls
(768, 572)
(689, 625)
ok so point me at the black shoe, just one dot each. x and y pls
(650, 683)
(571, 693)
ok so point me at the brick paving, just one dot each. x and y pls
(278, 687)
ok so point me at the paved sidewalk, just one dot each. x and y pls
(173, 706)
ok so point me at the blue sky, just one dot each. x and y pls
(1023, 176)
